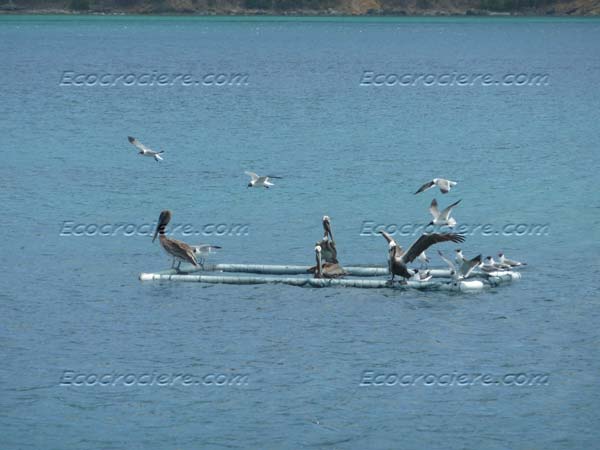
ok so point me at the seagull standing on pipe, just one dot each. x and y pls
(178, 250)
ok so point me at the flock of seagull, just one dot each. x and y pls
(327, 264)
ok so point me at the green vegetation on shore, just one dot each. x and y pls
(307, 7)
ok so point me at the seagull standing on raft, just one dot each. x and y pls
(421, 275)
(458, 256)
(442, 183)
(178, 250)
(423, 259)
(201, 251)
(398, 258)
(145, 151)
(442, 218)
(258, 181)
(509, 262)
(491, 266)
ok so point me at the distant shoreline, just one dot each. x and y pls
(308, 14)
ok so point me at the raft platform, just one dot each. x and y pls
(280, 274)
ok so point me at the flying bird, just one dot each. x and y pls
(398, 258)
(462, 270)
(444, 217)
(442, 183)
(178, 250)
(423, 259)
(459, 257)
(509, 262)
(145, 151)
(258, 181)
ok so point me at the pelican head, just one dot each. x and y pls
(163, 221)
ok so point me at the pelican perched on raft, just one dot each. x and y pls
(463, 269)
(145, 151)
(442, 183)
(398, 258)
(180, 251)
(258, 181)
(442, 218)
(327, 244)
(326, 269)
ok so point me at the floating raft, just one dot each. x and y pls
(477, 280)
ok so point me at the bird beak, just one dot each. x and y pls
(163, 220)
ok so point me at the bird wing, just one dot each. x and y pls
(426, 186)
(262, 179)
(139, 145)
(468, 265)
(433, 209)
(273, 176)
(447, 261)
(252, 175)
(426, 241)
(446, 212)
(180, 250)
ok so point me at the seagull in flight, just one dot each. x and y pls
(145, 151)
(257, 181)
(421, 275)
(442, 218)
(442, 183)
(398, 258)
(509, 262)
(462, 270)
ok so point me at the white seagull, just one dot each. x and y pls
(201, 251)
(421, 275)
(491, 266)
(442, 183)
(459, 257)
(442, 218)
(256, 181)
(145, 151)
(510, 262)
(463, 270)
(423, 259)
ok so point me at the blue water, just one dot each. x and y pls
(521, 154)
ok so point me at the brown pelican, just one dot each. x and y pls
(178, 250)
(258, 181)
(398, 258)
(327, 269)
(509, 262)
(145, 151)
(464, 268)
(327, 244)
(442, 218)
(442, 183)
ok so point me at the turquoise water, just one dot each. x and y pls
(72, 303)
